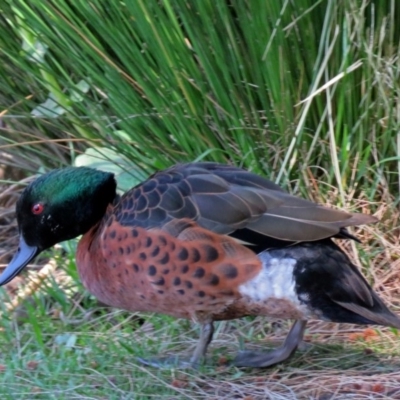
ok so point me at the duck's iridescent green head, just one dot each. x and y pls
(58, 206)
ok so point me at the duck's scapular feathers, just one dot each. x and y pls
(229, 200)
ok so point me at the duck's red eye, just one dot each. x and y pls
(37, 208)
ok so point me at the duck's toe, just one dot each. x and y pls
(206, 333)
(264, 359)
(261, 359)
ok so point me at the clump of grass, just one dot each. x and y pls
(271, 86)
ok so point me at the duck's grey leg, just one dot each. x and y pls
(206, 334)
(266, 359)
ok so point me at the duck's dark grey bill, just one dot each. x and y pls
(20, 260)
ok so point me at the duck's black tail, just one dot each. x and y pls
(328, 283)
(383, 316)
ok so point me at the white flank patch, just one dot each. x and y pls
(275, 281)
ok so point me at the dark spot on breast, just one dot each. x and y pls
(113, 234)
(119, 275)
(201, 293)
(181, 291)
(120, 251)
(155, 251)
(195, 255)
(148, 242)
(135, 267)
(142, 256)
(166, 271)
(105, 236)
(114, 265)
(126, 271)
(135, 233)
(160, 291)
(152, 270)
(142, 297)
(185, 269)
(210, 252)
(128, 250)
(213, 280)
(165, 259)
(172, 245)
(176, 281)
(162, 240)
(160, 281)
(199, 273)
(183, 254)
(188, 284)
(229, 271)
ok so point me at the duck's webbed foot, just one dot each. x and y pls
(266, 359)
(195, 361)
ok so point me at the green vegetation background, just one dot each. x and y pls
(305, 92)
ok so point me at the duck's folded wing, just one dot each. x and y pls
(226, 199)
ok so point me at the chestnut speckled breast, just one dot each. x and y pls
(180, 270)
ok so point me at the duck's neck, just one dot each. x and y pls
(92, 206)
(89, 256)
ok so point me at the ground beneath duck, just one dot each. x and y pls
(337, 361)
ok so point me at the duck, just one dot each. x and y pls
(202, 241)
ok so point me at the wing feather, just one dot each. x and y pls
(224, 199)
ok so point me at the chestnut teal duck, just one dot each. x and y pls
(202, 241)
